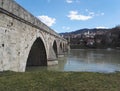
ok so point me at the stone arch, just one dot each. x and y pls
(37, 55)
(55, 48)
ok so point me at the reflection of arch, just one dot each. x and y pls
(37, 55)
(55, 48)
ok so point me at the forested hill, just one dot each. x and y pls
(94, 38)
(81, 31)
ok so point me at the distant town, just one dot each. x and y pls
(94, 38)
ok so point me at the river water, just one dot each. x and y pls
(87, 60)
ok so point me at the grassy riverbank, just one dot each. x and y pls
(59, 81)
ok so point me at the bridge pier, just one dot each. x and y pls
(52, 56)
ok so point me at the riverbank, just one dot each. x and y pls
(59, 81)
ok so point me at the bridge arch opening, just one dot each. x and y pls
(37, 55)
(55, 48)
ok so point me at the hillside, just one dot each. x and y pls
(81, 31)
(94, 38)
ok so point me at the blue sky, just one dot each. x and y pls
(71, 15)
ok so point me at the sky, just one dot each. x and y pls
(71, 15)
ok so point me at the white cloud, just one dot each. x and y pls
(47, 20)
(101, 27)
(90, 12)
(73, 15)
(93, 13)
(73, 1)
(102, 14)
(69, 1)
(66, 28)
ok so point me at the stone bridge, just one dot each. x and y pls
(25, 40)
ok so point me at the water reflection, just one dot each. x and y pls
(88, 60)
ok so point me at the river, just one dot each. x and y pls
(87, 60)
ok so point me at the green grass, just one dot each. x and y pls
(59, 81)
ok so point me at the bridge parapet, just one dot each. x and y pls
(15, 10)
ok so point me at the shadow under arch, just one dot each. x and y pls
(37, 55)
(55, 48)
